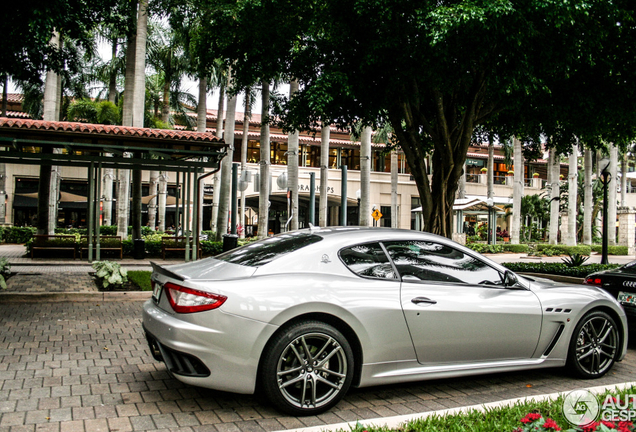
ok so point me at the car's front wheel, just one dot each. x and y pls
(594, 346)
(307, 368)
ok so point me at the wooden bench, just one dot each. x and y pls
(172, 244)
(106, 243)
(53, 242)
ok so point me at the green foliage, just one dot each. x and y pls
(110, 274)
(107, 113)
(472, 239)
(485, 248)
(575, 260)
(127, 247)
(18, 234)
(82, 110)
(516, 248)
(211, 247)
(141, 278)
(611, 249)
(108, 230)
(547, 249)
(81, 231)
(5, 271)
(558, 268)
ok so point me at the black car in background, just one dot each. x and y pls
(621, 283)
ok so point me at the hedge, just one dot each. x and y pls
(498, 248)
(611, 250)
(565, 250)
(18, 234)
(561, 269)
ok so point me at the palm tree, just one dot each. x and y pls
(292, 164)
(588, 198)
(518, 189)
(247, 115)
(263, 196)
(554, 166)
(365, 176)
(323, 204)
(570, 239)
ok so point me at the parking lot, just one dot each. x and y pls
(85, 367)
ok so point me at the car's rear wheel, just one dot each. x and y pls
(594, 346)
(307, 368)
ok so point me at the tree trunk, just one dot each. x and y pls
(587, 199)
(244, 140)
(47, 198)
(123, 203)
(263, 197)
(292, 164)
(129, 82)
(107, 188)
(5, 95)
(152, 203)
(555, 167)
(139, 108)
(165, 103)
(323, 204)
(112, 79)
(202, 109)
(226, 171)
(515, 229)
(217, 176)
(623, 179)
(394, 189)
(572, 196)
(163, 194)
(365, 177)
(612, 195)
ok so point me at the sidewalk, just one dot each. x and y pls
(36, 277)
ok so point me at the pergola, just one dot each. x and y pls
(97, 147)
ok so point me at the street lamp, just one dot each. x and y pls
(605, 179)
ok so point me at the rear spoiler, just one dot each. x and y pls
(156, 268)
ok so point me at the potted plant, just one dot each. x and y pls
(535, 175)
(484, 170)
(511, 172)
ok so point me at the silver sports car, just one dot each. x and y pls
(304, 315)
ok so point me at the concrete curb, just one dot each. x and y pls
(75, 297)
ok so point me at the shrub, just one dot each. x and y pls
(611, 250)
(211, 247)
(5, 270)
(19, 234)
(516, 248)
(153, 248)
(575, 260)
(558, 268)
(485, 248)
(108, 230)
(564, 250)
(110, 274)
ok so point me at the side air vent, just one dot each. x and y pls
(554, 341)
(558, 310)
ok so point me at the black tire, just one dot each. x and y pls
(307, 368)
(594, 346)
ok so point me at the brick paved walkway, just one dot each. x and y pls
(86, 367)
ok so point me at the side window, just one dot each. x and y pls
(437, 262)
(368, 260)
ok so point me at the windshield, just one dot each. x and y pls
(265, 251)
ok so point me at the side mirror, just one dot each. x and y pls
(509, 279)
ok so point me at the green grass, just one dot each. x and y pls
(140, 278)
(500, 419)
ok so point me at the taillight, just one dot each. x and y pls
(188, 300)
(593, 280)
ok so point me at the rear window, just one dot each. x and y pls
(265, 251)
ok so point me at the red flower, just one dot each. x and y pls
(551, 424)
(608, 424)
(531, 417)
(625, 426)
(591, 427)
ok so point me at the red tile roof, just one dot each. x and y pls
(18, 114)
(98, 129)
(14, 98)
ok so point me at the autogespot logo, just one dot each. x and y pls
(580, 407)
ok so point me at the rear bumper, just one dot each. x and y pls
(224, 357)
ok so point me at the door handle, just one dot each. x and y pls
(425, 300)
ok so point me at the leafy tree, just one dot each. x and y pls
(438, 70)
